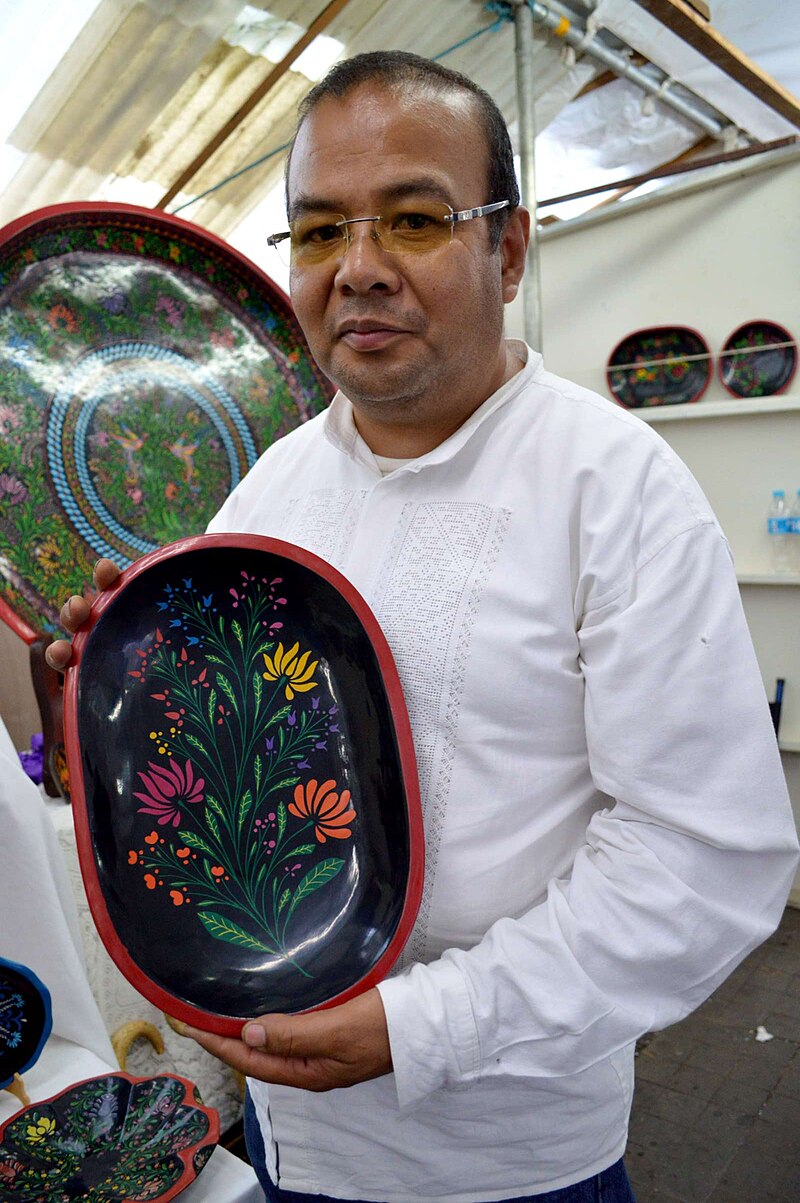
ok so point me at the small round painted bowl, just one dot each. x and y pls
(244, 783)
(25, 1019)
(758, 359)
(662, 365)
(113, 1138)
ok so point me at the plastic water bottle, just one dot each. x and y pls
(779, 537)
(794, 536)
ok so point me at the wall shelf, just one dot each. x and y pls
(733, 408)
(756, 578)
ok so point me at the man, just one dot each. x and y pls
(607, 828)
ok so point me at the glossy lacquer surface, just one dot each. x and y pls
(144, 366)
(111, 1139)
(243, 776)
(25, 1019)
(758, 359)
(662, 365)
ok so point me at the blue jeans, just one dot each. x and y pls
(611, 1186)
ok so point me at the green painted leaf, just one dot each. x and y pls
(215, 805)
(227, 689)
(237, 630)
(285, 784)
(281, 821)
(277, 716)
(212, 824)
(225, 929)
(264, 647)
(244, 806)
(258, 686)
(195, 742)
(257, 767)
(214, 659)
(194, 841)
(284, 898)
(260, 875)
(300, 850)
(212, 698)
(320, 875)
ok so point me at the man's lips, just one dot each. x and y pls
(369, 335)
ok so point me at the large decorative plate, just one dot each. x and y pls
(246, 802)
(144, 365)
(111, 1139)
(663, 365)
(25, 1019)
(758, 360)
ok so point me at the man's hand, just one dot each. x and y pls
(322, 1050)
(74, 613)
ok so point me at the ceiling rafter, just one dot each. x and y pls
(679, 17)
(321, 22)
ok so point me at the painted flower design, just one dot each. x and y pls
(329, 811)
(13, 488)
(43, 1127)
(296, 669)
(168, 788)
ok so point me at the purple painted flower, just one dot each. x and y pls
(13, 488)
(168, 788)
(172, 309)
(115, 302)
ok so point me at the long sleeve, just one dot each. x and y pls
(680, 876)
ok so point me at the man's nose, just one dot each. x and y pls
(365, 265)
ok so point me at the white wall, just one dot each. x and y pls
(710, 259)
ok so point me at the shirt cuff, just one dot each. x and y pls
(432, 1030)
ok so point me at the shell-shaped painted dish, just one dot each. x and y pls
(244, 783)
(26, 1019)
(758, 359)
(663, 365)
(110, 1139)
(145, 365)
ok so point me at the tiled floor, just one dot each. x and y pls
(716, 1114)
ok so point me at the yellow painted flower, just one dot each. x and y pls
(39, 1131)
(296, 669)
(49, 555)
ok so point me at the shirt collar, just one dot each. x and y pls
(340, 428)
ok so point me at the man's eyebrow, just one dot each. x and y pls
(427, 186)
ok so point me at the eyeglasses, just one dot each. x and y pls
(407, 228)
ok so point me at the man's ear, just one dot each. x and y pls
(513, 247)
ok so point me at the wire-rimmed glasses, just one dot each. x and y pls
(407, 227)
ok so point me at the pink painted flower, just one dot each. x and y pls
(13, 488)
(168, 788)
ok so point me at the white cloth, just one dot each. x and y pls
(607, 827)
(38, 920)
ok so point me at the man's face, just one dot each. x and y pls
(399, 333)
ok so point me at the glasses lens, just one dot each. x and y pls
(415, 227)
(316, 237)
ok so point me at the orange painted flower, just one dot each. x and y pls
(329, 811)
(296, 669)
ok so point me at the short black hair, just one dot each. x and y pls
(396, 69)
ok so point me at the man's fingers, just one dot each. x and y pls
(105, 573)
(59, 654)
(74, 613)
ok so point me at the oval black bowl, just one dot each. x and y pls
(246, 800)
(662, 365)
(758, 359)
